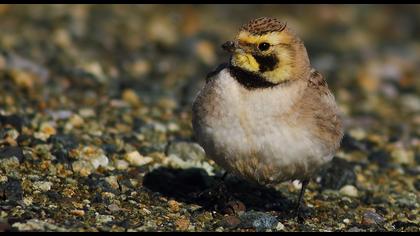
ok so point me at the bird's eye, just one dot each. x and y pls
(264, 46)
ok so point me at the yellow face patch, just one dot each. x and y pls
(246, 61)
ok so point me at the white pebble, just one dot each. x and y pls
(349, 190)
(136, 159)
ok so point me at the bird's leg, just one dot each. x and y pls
(301, 198)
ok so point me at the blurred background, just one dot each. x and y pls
(119, 79)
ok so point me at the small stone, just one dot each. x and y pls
(259, 220)
(280, 227)
(47, 129)
(9, 164)
(114, 208)
(94, 155)
(23, 79)
(372, 218)
(381, 157)
(87, 112)
(346, 221)
(231, 221)
(131, 97)
(102, 219)
(349, 190)
(182, 224)
(113, 182)
(408, 200)
(205, 51)
(187, 151)
(417, 184)
(27, 201)
(121, 165)
(11, 190)
(173, 205)
(42, 185)
(37, 225)
(84, 168)
(77, 212)
(140, 67)
(12, 152)
(136, 159)
(402, 156)
(76, 121)
(355, 229)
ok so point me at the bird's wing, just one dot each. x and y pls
(324, 111)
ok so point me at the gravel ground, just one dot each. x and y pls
(95, 120)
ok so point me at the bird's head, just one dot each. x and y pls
(269, 49)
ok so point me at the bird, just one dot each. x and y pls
(267, 115)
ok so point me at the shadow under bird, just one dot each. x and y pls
(267, 115)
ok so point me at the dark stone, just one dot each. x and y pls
(380, 157)
(259, 220)
(11, 190)
(372, 218)
(64, 141)
(7, 152)
(417, 158)
(62, 156)
(336, 174)
(417, 184)
(109, 148)
(231, 221)
(350, 144)
(14, 120)
(4, 227)
(24, 140)
(401, 224)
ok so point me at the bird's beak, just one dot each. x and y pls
(229, 46)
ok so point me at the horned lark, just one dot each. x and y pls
(267, 115)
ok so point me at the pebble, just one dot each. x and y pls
(402, 156)
(114, 207)
(82, 167)
(102, 219)
(76, 121)
(231, 221)
(131, 97)
(17, 152)
(186, 151)
(136, 159)
(280, 227)
(9, 165)
(45, 131)
(37, 225)
(121, 165)
(42, 185)
(94, 155)
(349, 190)
(182, 224)
(173, 205)
(372, 218)
(381, 157)
(113, 182)
(11, 190)
(77, 212)
(261, 221)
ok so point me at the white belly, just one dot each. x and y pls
(244, 132)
